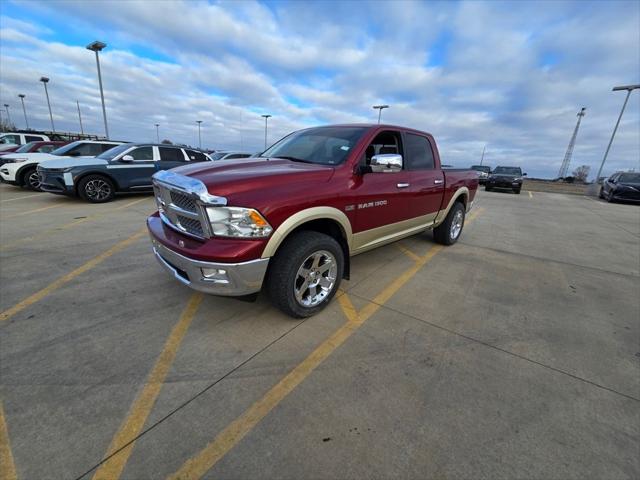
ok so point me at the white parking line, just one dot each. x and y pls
(20, 198)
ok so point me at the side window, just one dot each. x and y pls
(103, 147)
(171, 154)
(383, 143)
(87, 149)
(142, 154)
(46, 148)
(196, 156)
(11, 139)
(418, 152)
(31, 138)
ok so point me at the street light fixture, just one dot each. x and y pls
(266, 120)
(24, 110)
(157, 132)
(6, 106)
(199, 137)
(380, 108)
(629, 89)
(98, 47)
(44, 81)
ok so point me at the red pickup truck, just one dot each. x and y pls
(291, 218)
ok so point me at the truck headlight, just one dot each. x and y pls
(237, 222)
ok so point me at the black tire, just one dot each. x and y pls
(601, 193)
(517, 191)
(30, 179)
(283, 277)
(444, 233)
(487, 188)
(610, 198)
(96, 189)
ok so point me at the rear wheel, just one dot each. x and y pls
(305, 273)
(96, 189)
(448, 232)
(31, 180)
(487, 188)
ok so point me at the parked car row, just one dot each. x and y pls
(96, 170)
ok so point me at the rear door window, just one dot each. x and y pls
(196, 156)
(418, 152)
(32, 138)
(171, 154)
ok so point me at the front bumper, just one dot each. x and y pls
(238, 279)
(56, 182)
(8, 174)
(503, 184)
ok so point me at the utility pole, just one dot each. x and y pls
(380, 108)
(199, 137)
(24, 110)
(44, 81)
(266, 119)
(97, 47)
(629, 89)
(158, 131)
(80, 117)
(6, 106)
(482, 157)
(567, 156)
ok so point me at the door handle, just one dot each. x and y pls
(402, 185)
(438, 182)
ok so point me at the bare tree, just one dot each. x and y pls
(581, 173)
(166, 142)
(6, 126)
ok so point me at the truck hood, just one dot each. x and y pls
(66, 162)
(229, 177)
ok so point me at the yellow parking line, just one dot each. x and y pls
(204, 460)
(530, 194)
(141, 407)
(20, 198)
(46, 233)
(52, 287)
(34, 211)
(407, 252)
(7, 465)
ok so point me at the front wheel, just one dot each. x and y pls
(305, 273)
(31, 179)
(610, 196)
(516, 190)
(96, 189)
(448, 232)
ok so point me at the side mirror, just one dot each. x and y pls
(524, 174)
(386, 163)
(127, 158)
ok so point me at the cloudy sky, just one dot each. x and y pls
(508, 75)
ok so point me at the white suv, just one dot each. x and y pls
(9, 140)
(20, 168)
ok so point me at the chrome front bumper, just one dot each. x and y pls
(239, 278)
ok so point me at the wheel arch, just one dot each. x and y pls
(461, 196)
(20, 173)
(327, 220)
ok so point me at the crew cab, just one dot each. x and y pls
(20, 168)
(9, 141)
(509, 178)
(291, 218)
(125, 168)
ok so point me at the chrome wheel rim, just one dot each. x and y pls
(97, 189)
(456, 225)
(34, 180)
(315, 278)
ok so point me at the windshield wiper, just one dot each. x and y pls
(293, 159)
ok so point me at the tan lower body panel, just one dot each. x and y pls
(376, 237)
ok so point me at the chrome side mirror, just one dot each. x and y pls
(127, 158)
(386, 163)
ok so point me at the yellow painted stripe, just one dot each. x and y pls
(48, 232)
(202, 462)
(7, 465)
(407, 252)
(141, 407)
(530, 194)
(52, 287)
(21, 198)
(34, 211)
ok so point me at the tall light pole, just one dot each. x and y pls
(97, 47)
(6, 107)
(380, 108)
(482, 157)
(44, 81)
(629, 89)
(80, 117)
(24, 110)
(158, 131)
(266, 120)
(199, 137)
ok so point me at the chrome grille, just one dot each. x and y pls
(180, 210)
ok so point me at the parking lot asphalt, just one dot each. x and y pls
(513, 354)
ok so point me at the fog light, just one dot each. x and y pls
(215, 274)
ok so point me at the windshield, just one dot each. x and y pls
(114, 152)
(25, 148)
(481, 168)
(629, 178)
(63, 150)
(322, 145)
(508, 171)
(217, 155)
